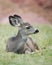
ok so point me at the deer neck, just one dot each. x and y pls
(21, 36)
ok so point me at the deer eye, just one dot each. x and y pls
(27, 27)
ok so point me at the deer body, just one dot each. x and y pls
(14, 44)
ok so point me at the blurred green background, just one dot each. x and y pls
(43, 39)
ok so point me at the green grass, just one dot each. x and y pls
(43, 39)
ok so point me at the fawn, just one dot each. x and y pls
(21, 43)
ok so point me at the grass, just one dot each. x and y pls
(43, 39)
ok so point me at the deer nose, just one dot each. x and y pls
(36, 31)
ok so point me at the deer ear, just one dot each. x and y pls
(12, 21)
(17, 16)
(19, 19)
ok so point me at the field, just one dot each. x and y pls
(43, 39)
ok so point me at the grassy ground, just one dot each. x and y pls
(43, 39)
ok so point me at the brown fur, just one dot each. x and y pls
(30, 46)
